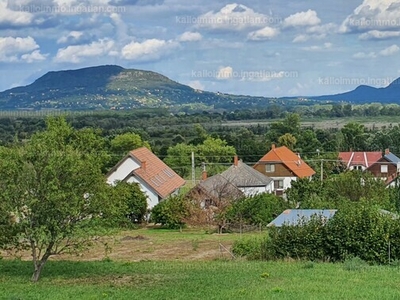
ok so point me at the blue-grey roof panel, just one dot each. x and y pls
(393, 158)
(294, 216)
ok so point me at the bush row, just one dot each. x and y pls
(355, 231)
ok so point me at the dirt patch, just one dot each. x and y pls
(113, 280)
(151, 245)
(136, 238)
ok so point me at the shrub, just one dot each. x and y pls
(304, 240)
(258, 209)
(356, 231)
(361, 231)
(354, 264)
(170, 212)
(132, 204)
(251, 248)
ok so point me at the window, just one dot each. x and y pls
(384, 168)
(278, 184)
(269, 168)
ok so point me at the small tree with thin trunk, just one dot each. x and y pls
(52, 192)
(210, 201)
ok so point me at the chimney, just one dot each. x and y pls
(272, 146)
(387, 151)
(235, 160)
(143, 165)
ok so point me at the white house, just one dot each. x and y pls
(248, 180)
(283, 166)
(155, 178)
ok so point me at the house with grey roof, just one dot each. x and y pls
(215, 189)
(237, 181)
(247, 179)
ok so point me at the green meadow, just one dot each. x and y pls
(216, 279)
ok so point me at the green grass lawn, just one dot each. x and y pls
(230, 279)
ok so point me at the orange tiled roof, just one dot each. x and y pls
(365, 159)
(291, 160)
(155, 172)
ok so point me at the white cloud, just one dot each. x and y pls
(379, 15)
(316, 32)
(362, 55)
(325, 46)
(301, 38)
(233, 17)
(121, 28)
(225, 73)
(75, 54)
(73, 36)
(324, 29)
(379, 35)
(14, 49)
(301, 19)
(189, 36)
(196, 84)
(385, 52)
(390, 50)
(263, 34)
(151, 49)
(34, 56)
(13, 18)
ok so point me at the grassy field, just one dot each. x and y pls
(326, 123)
(164, 264)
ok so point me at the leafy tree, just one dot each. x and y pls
(212, 151)
(126, 142)
(215, 152)
(201, 135)
(257, 209)
(179, 158)
(53, 192)
(354, 136)
(356, 186)
(302, 191)
(170, 212)
(288, 140)
(308, 143)
(290, 124)
(338, 190)
(132, 200)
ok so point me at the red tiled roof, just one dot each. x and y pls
(155, 172)
(291, 160)
(365, 159)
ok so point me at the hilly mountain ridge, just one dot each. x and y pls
(367, 94)
(114, 87)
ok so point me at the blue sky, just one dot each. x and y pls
(267, 48)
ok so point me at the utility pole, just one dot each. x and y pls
(322, 170)
(193, 171)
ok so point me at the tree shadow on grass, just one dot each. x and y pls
(23, 270)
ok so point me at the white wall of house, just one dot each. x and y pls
(152, 197)
(252, 191)
(123, 170)
(357, 167)
(287, 182)
(392, 184)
